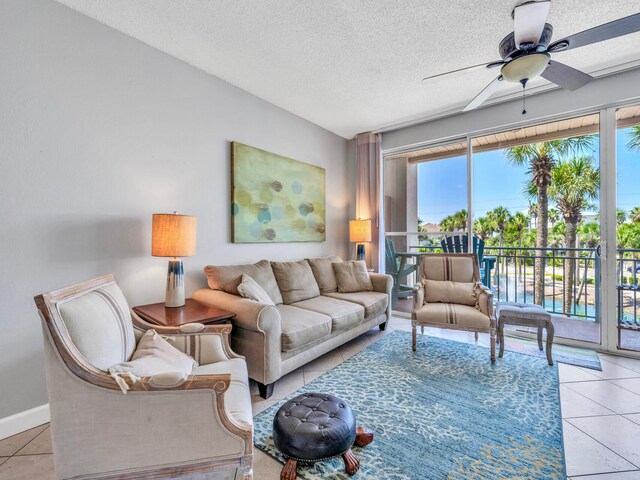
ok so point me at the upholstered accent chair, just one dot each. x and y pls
(450, 295)
(168, 425)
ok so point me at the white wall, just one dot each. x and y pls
(97, 132)
(604, 91)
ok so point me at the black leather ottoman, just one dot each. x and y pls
(317, 426)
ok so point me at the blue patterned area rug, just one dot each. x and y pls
(443, 412)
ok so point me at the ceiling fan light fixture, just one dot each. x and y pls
(525, 67)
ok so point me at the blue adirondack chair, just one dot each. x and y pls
(459, 244)
(398, 268)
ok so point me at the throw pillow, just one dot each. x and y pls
(251, 289)
(295, 280)
(152, 356)
(437, 291)
(323, 272)
(228, 277)
(352, 276)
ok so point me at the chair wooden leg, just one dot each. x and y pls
(549, 342)
(540, 337)
(501, 338)
(414, 340)
(493, 346)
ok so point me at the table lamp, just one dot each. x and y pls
(359, 232)
(174, 236)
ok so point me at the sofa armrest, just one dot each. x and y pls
(382, 283)
(250, 315)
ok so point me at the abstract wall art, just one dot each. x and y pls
(275, 198)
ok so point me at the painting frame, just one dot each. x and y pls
(275, 199)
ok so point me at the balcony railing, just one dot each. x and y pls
(513, 279)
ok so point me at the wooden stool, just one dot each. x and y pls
(526, 315)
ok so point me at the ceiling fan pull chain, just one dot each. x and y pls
(524, 102)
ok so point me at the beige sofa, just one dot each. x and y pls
(309, 316)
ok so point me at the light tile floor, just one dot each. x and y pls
(600, 410)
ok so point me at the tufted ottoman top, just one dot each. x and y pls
(525, 311)
(314, 426)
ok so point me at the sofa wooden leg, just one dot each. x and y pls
(265, 390)
(383, 326)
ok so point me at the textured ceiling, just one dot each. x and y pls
(355, 65)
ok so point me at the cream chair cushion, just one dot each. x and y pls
(237, 399)
(448, 267)
(155, 355)
(251, 289)
(352, 276)
(228, 277)
(295, 280)
(322, 268)
(452, 314)
(99, 323)
(445, 291)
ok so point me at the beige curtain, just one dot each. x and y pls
(368, 190)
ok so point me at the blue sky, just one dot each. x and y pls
(442, 184)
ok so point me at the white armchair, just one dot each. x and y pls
(196, 426)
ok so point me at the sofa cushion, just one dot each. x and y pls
(237, 399)
(462, 293)
(344, 315)
(228, 277)
(301, 327)
(252, 290)
(352, 276)
(323, 272)
(452, 314)
(374, 303)
(295, 280)
(99, 323)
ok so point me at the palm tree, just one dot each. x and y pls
(554, 216)
(455, 222)
(541, 158)
(574, 183)
(519, 222)
(533, 213)
(484, 227)
(589, 234)
(500, 216)
(634, 138)
(621, 216)
(634, 215)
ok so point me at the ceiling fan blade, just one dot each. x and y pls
(528, 22)
(566, 76)
(606, 31)
(465, 70)
(484, 94)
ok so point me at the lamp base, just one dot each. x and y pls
(360, 251)
(174, 295)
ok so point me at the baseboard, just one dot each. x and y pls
(23, 421)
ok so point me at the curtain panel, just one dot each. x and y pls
(368, 190)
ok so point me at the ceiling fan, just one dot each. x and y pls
(526, 52)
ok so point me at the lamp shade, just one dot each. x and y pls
(360, 231)
(173, 235)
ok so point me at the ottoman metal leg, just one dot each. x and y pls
(540, 337)
(549, 341)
